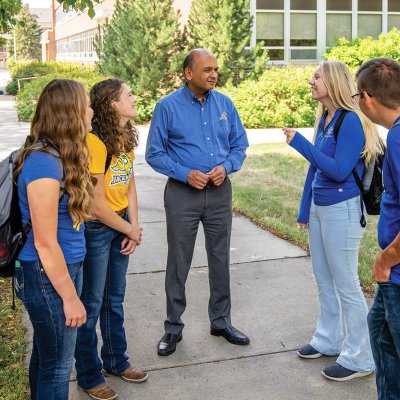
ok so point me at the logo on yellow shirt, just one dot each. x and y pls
(121, 170)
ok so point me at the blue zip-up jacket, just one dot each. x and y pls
(329, 179)
(389, 220)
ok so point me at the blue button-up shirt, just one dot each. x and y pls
(185, 135)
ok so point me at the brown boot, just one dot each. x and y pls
(101, 392)
(131, 374)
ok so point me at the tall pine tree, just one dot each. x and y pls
(28, 37)
(143, 45)
(224, 27)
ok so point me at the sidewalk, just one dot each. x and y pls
(274, 300)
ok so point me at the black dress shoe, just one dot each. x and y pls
(231, 334)
(167, 344)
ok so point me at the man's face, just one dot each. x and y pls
(203, 75)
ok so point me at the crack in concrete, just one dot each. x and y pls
(156, 271)
(215, 361)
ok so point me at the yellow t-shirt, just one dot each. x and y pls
(118, 175)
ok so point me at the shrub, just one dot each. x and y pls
(281, 97)
(29, 94)
(23, 69)
(358, 51)
(12, 87)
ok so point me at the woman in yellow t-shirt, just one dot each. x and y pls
(110, 239)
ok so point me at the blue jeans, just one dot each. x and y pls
(103, 292)
(53, 342)
(384, 330)
(334, 236)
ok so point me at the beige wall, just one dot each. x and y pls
(184, 7)
(83, 23)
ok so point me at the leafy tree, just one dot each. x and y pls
(27, 36)
(224, 27)
(358, 51)
(8, 8)
(143, 45)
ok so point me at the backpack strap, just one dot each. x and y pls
(338, 124)
(336, 131)
(40, 145)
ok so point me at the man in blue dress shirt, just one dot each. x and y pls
(196, 138)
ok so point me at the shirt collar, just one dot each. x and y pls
(192, 97)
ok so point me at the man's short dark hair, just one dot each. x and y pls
(380, 78)
(188, 61)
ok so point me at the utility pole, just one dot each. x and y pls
(15, 46)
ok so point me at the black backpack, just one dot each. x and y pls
(13, 234)
(371, 185)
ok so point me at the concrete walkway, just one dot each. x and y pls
(274, 300)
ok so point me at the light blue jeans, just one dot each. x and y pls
(334, 236)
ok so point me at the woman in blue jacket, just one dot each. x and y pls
(330, 209)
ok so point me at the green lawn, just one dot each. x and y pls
(13, 379)
(268, 190)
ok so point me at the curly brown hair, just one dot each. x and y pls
(59, 122)
(106, 120)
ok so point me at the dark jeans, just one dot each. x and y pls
(103, 292)
(185, 207)
(53, 342)
(384, 329)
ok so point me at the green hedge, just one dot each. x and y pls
(358, 51)
(22, 69)
(29, 94)
(27, 69)
(281, 97)
(45, 72)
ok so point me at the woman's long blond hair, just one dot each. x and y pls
(340, 86)
(59, 122)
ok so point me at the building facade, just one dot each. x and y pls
(292, 30)
(302, 30)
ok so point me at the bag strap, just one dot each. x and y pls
(336, 131)
(51, 150)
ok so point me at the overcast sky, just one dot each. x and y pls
(38, 3)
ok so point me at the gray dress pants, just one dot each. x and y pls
(185, 207)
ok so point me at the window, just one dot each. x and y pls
(370, 5)
(78, 47)
(338, 5)
(276, 54)
(369, 25)
(303, 5)
(270, 28)
(270, 4)
(303, 29)
(393, 5)
(393, 22)
(337, 25)
(298, 54)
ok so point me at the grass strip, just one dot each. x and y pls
(13, 379)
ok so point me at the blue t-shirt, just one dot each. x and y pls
(389, 220)
(39, 165)
(329, 178)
